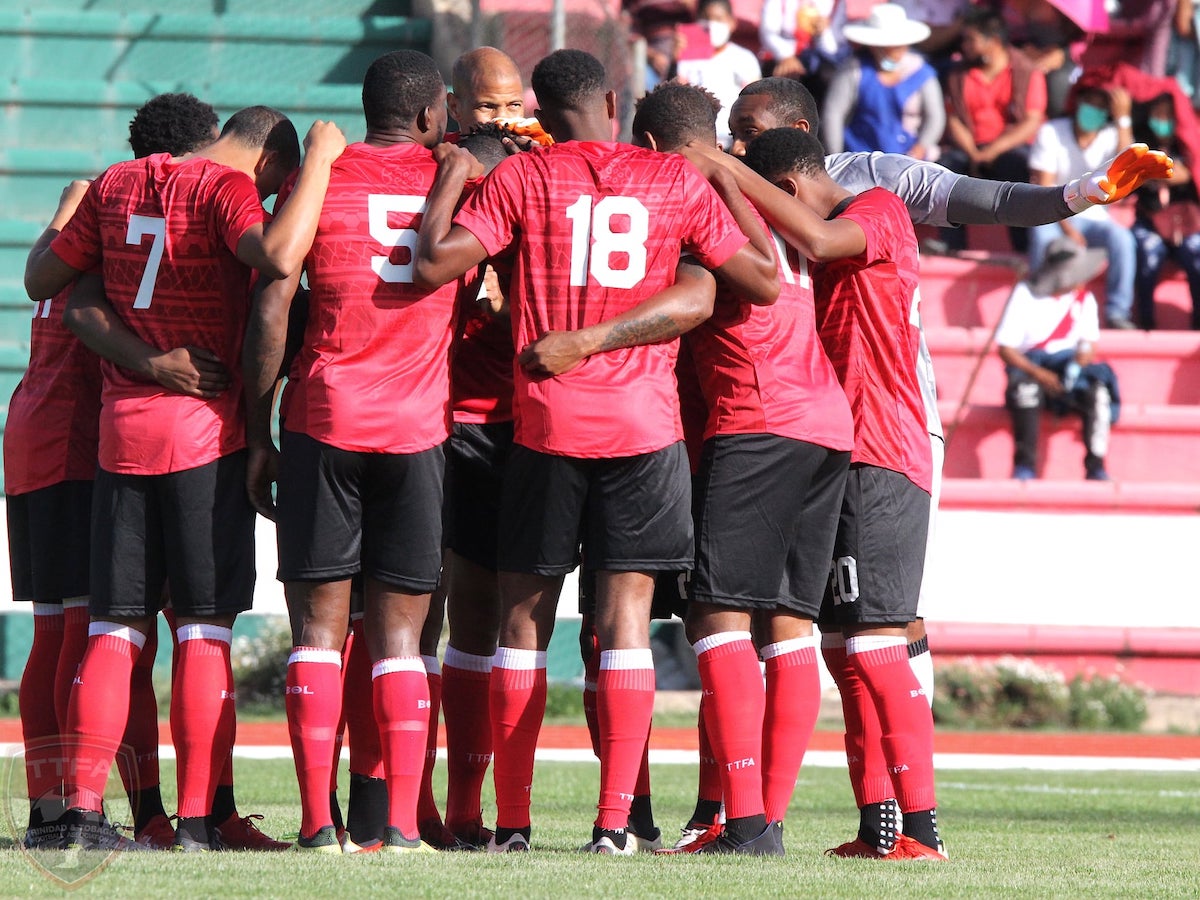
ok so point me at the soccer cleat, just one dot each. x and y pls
(349, 845)
(323, 840)
(515, 843)
(769, 843)
(650, 843)
(905, 848)
(241, 833)
(157, 834)
(472, 833)
(856, 849)
(89, 830)
(394, 841)
(48, 836)
(434, 833)
(611, 843)
(693, 838)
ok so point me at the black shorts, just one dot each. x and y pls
(631, 514)
(342, 511)
(475, 462)
(49, 542)
(766, 515)
(879, 554)
(193, 528)
(670, 594)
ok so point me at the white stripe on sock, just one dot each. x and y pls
(719, 640)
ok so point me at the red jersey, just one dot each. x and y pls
(373, 373)
(165, 233)
(598, 227)
(52, 430)
(763, 369)
(482, 373)
(867, 320)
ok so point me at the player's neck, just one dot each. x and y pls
(822, 194)
(572, 126)
(230, 153)
(383, 137)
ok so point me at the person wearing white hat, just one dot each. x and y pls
(885, 96)
(1047, 340)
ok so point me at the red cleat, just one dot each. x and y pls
(693, 838)
(906, 848)
(157, 835)
(240, 833)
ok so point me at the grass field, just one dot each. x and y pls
(1009, 834)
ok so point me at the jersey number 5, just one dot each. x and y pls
(139, 227)
(593, 242)
(379, 207)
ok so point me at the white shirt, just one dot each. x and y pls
(1052, 323)
(1055, 150)
(730, 69)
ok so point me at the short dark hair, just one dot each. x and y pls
(782, 151)
(677, 113)
(790, 100)
(725, 4)
(986, 21)
(397, 86)
(266, 128)
(171, 123)
(567, 79)
(485, 143)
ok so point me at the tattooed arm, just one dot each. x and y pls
(662, 317)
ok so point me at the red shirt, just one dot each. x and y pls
(373, 374)
(867, 320)
(482, 372)
(988, 101)
(763, 369)
(52, 430)
(165, 233)
(598, 227)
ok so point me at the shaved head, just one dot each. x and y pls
(486, 85)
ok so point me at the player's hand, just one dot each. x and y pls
(262, 466)
(1124, 174)
(458, 161)
(553, 353)
(493, 300)
(324, 142)
(68, 202)
(193, 371)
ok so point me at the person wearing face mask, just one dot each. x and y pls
(730, 68)
(996, 101)
(1168, 214)
(885, 96)
(1098, 125)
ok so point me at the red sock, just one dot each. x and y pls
(792, 703)
(39, 723)
(366, 753)
(339, 737)
(589, 645)
(465, 678)
(314, 699)
(625, 704)
(709, 787)
(74, 643)
(518, 705)
(904, 717)
(201, 714)
(99, 709)
(735, 705)
(641, 787)
(141, 731)
(869, 777)
(426, 806)
(401, 693)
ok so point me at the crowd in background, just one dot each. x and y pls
(1021, 90)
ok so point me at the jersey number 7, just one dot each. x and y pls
(139, 227)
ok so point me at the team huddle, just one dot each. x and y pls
(495, 358)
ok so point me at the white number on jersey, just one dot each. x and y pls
(785, 254)
(843, 579)
(41, 309)
(593, 242)
(139, 227)
(378, 208)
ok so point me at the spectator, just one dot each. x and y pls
(1183, 56)
(1045, 35)
(1047, 340)
(996, 101)
(1138, 32)
(802, 39)
(1068, 147)
(884, 96)
(730, 68)
(1168, 214)
(655, 22)
(945, 21)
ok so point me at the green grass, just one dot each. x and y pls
(1010, 834)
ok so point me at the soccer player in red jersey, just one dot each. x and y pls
(361, 461)
(50, 447)
(176, 239)
(865, 281)
(597, 228)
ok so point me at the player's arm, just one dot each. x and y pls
(278, 249)
(661, 317)
(263, 354)
(445, 250)
(194, 371)
(752, 271)
(45, 272)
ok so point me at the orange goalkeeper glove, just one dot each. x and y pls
(1125, 173)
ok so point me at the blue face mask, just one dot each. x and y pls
(887, 64)
(1090, 118)
(1162, 128)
